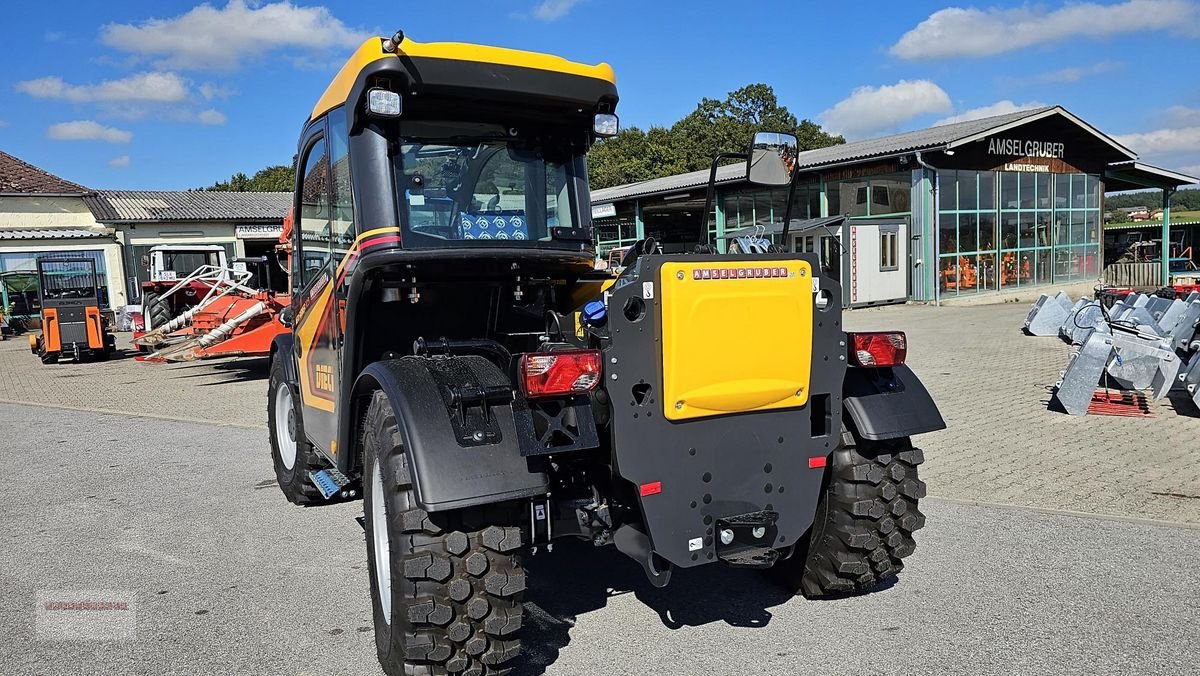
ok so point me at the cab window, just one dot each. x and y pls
(315, 212)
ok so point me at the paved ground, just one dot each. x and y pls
(183, 522)
(991, 382)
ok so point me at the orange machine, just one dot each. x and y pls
(71, 321)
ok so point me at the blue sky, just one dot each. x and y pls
(160, 94)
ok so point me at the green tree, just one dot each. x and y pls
(633, 155)
(276, 178)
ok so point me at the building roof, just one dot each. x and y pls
(18, 177)
(53, 233)
(942, 137)
(1132, 175)
(145, 206)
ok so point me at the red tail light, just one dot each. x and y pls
(873, 350)
(552, 374)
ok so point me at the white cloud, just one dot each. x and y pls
(1077, 73)
(211, 91)
(997, 108)
(87, 130)
(971, 32)
(1182, 116)
(211, 117)
(120, 161)
(1162, 142)
(553, 10)
(870, 110)
(207, 37)
(1191, 170)
(150, 87)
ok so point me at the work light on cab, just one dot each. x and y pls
(554, 374)
(606, 124)
(878, 349)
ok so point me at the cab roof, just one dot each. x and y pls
(409, 52)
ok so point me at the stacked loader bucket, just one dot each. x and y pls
(1140, 343)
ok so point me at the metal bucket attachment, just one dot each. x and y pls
(1189, 378)
(1140, 361)
(1184, 332)
(1078, 382)
(1082, 321)
(1048, 314)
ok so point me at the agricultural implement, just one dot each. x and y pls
(224, 317)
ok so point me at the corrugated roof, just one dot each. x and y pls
(729, 172)
(124, 206)
(54, 233)
(887, 146)
(18, 177)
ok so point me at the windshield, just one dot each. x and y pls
(476, 183)
(184, 263)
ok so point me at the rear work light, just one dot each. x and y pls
(554, 374)
(878, 349)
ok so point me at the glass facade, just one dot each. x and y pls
(991, 230)
(1006, 230)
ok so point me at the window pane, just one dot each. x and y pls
(947, 191)
(1092, 199)
(1043, 182)
(1062, 191)
(1028, 234)
(948, 234)
(1008, 190)
(1028, 193)
(1043, 228)
(968, 194)
(1041, 266)
(314, 212)
(343, 199)
(948, 274)
(1091, 227)
(852, 197)
(1008, 230)
(987, 231)
(1078, 191)
(987, 190)
(890, 193)
(967, 232)
(1010, 269)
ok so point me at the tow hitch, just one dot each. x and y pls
(745, 540)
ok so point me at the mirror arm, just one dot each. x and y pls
(712, 188)
(787, 210)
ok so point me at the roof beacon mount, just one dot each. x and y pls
(390, 45)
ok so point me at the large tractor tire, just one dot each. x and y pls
(865, 520)
(446, 587)
(155, 313)
(49, 357)
(291, 453)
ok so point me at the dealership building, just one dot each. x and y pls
(982, 206)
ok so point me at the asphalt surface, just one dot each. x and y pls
(182, 521)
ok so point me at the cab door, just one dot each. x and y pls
(316, 326)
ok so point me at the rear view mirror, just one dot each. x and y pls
(772, 158)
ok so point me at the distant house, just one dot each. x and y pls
(1135, 213)
(44, 215)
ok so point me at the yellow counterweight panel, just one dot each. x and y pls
(737, 337)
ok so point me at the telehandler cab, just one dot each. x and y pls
(453, 356)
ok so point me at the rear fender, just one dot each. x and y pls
(282, 348)
(449, 471)
(888, 403)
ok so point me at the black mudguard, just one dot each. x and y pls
(447, 472)
(888, 403)
(281, 348)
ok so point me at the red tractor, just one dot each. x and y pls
(163, 297)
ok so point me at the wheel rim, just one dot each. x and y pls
(383, 549)
(285, 425)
